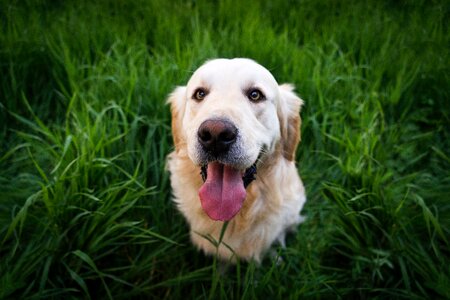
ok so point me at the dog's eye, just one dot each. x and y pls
(255, 95)
(199, 94)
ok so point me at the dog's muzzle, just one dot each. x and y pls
(216, 137)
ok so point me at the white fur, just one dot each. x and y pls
(268, 129)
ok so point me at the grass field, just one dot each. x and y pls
(85, 209)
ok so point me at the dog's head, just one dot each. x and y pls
(232, 114)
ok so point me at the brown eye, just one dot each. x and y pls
(255, 95)
(200, 94)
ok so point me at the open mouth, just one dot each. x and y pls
(247, 177)
(224, 189)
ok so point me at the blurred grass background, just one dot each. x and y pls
(85, 209)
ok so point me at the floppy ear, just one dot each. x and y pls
(177, 103)
(290, 121)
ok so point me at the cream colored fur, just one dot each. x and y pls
(269, 131)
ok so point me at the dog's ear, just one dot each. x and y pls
(177, 101)
(290, 121)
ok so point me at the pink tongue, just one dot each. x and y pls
(223, 192)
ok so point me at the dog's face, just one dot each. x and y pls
(233, 103)
(231, 114)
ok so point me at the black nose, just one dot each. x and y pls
(216, 136)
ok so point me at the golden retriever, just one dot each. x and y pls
(236, 132)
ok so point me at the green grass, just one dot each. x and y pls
(85, 209)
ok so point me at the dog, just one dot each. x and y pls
(235, 133)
